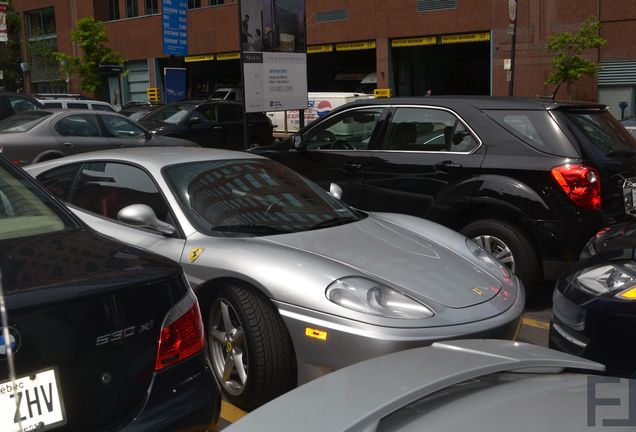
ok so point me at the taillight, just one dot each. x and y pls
(181, 333)
(580, 183)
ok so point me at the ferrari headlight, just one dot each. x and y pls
(609, 279)
(492, 264)
(369, 297)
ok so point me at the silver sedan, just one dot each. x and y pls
(293, 283)
(35, 136)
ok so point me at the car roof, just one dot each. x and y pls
(155, 158)
(481, 102)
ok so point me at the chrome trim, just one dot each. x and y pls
(568, 337)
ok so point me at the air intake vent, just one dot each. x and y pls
(617, 73)
(332, 15)
(433, 5)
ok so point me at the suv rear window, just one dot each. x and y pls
(600, 130)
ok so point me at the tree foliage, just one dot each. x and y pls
(568, 62)
(10, 56)
(92, 39)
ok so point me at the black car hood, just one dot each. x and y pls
(76, 261)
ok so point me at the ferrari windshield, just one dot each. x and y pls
(253, 197)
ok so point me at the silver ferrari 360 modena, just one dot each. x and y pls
(292, 282)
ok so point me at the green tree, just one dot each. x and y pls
(92, 39)
(10, 56)
(568, 63)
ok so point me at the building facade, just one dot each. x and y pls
(409, 46)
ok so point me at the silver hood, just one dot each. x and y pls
(400, 257)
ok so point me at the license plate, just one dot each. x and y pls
(35, 401)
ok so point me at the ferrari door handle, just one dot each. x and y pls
(447, 165)
(349, 166)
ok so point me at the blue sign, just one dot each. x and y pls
(175, 84)
(174, 20)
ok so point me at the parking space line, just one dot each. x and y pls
(536, 324)
(231, 413)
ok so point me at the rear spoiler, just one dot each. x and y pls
(358, 397)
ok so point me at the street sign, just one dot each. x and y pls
(507, 64)
(3, 22)
(382, 93)
(174, 18)
(512, 10)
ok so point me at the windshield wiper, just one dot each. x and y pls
(334, 222)
(249, 229)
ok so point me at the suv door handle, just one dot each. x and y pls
(350, 167)
(218, 128)
(447, 165)
(68, 144)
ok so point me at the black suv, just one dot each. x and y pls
(530, 180)
(96, 335)
(217, 124)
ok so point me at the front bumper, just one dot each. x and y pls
(346, 341)
(597, 328)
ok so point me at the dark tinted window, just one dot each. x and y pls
(19, 104)
(172, 113)
(80, 125)
(348, 131)
(229, 113)
(205, 113)
(107, 187)
(75, 105)
(52, 104)
(600, 130)
(99, 107)
(121, 127)
(59, 181)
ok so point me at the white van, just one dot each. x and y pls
(77, 104)
(319, 105)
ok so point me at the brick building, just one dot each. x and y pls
(448, 46)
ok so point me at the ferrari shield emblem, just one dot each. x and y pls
(194, 254)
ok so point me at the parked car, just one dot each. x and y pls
(86, 104)
(49, 96)
(11, 103)
(468, 385)
(34, 136)
(293, 282)
(216, 124)
(227, 93)
(529, 180)
(630, 125)
(96, 335)
(136, 110)
(594, 303)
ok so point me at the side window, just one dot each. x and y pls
(348, 131)
(425, 129)
(206, 113)
(59, 181)
(19, 104)
(107, 187)
(80, 125)
(121, 127)
(52, 104)
(229, 113)
(75, 105)
(99, 107)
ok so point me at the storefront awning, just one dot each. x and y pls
(228, 56)
(199, 58)
(416, 41)
(355, 46)
(317, 49)
(466, 38)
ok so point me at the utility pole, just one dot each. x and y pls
(512, 29)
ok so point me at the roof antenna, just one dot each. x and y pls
(553, 95)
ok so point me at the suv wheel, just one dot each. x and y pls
(510, 245)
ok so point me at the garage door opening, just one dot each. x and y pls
(342, 71)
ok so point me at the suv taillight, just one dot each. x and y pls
(581, 183)
(181, 333)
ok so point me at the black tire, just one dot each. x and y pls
(526, 259)
(269, 364)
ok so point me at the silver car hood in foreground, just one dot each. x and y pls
(356, 398)
(401, 257)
